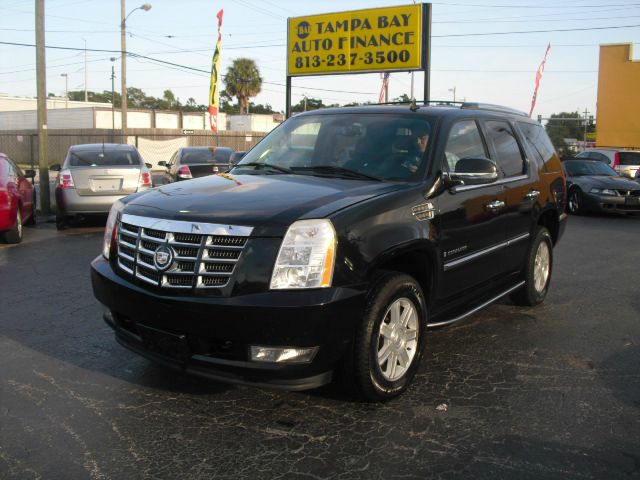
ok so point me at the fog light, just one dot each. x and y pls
(282, 354)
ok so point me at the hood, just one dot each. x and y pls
(270, 203)
(616, 183)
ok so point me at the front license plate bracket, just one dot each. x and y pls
(174, 346)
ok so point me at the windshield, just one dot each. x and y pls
(103, 158)
(576, 168)
(193, 156)
(364, 146)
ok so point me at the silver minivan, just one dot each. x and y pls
(625, 162)
(94, 176)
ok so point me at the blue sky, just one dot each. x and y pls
(497, 68)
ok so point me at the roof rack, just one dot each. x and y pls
(491, 107)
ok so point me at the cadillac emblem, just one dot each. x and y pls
(163, 257)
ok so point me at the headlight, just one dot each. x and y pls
(603, 191)
(116, 208)
(306, 256)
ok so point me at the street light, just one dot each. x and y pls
(454, 93)
(123, 47)
(66, 89)
(113, 95)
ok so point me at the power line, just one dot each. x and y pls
(535, 31)
(531, 6)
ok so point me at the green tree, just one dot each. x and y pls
(566, 125)
(404, 98)
(243, 81)
(226, 103)
(308, 103)
(169, 98)
(260, 108)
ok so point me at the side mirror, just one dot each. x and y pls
(55, 167)
(475, 171)
(30, 173)
(162, 163)
(148, 165)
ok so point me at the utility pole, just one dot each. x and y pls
(113, 95)
(123, 69)
(454, 93)
(86, 94)
(412, 86)
(123, 50)
(66, 89)
(586, 119)
(43, 161)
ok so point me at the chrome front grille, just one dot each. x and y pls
(200, 255)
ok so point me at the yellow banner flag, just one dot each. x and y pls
(214, 90)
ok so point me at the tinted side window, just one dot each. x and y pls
(600, 157)
(11, 169)
(538, 141)
(509, 160)
(464, 141)
(629, 158)
(16, 169)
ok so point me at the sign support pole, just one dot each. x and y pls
(287, 111)
(426, 50)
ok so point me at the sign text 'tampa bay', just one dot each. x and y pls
(377, 39)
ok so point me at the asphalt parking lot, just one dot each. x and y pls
(546, 392)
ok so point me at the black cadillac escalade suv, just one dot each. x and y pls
(336, 242)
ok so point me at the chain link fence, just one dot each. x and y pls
(154, 145)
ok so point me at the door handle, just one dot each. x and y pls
(495, 205)
(532, 195)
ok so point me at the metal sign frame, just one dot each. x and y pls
(425, 53)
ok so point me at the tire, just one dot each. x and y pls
(537, 271)
(376, 368)
(15, 234)
(62, 222)
(575, 205)
(32, 217)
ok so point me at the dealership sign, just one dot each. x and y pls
(358, 41)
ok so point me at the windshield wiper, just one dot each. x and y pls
(347, 172)
(266, 165)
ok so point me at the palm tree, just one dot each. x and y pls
(243, 81)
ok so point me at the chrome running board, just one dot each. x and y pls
(474, 310)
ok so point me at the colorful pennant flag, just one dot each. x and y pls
(538, 78)
(214, 90)
(383, 90)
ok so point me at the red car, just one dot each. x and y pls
(17, 200)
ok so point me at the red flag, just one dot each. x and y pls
(383, 90)
(538, 78)
(214, 89)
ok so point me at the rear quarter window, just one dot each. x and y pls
(539, 145)
(629, 158)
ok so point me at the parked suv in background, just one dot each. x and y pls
(625, 162)
(94, 176)
(334, 244)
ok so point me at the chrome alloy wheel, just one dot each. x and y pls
(398, 339)
(19, 222)
(541, 267)
(574, 201)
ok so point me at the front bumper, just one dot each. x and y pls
(610, 203)
(210, 337)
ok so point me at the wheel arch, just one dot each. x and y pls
(549, 220)
(418, 260)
